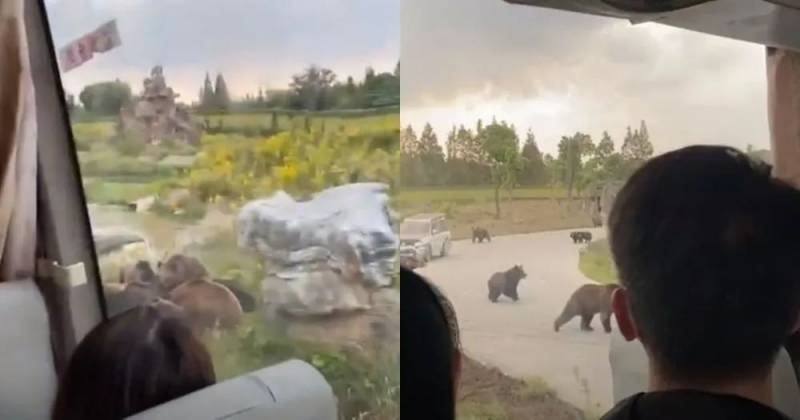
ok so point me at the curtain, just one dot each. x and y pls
(783, 99)
(17, 148)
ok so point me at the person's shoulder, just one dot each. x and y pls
(689, 404)
(623, 410)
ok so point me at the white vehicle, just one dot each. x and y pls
(427, 234)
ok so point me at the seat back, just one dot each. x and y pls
(629, 372)
(28, 378)
(290, 390)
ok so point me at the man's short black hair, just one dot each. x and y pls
(428, 347)
(706, 243)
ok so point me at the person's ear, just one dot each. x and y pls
(621, 308)
(796, 326)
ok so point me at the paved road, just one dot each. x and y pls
(518, 337)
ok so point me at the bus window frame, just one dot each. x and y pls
(63, 216)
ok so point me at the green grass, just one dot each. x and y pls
(481, 411)
(352, 125)
(535, 387)
(465, 195)
(103, 130)
(109, 192)
(597, 264)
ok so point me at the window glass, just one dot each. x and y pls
(211, 138)
(522, 135)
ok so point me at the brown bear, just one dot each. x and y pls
(138, 284)
(208, 305)
(480, 234)
(587, 301)
(581, 237)
(180, 268)
(505, 283)
(140, 280)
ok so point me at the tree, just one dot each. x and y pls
(605, 148)
(501, 147)
(369, 74)
(222, 100)
(409, 145)
(571, 151)
(207, 97)
(451, 144)
(636, 148)
(70, 101)
(534, 171)
(105, 98)
(603, 165)
(431, 156)
(260, 98)
(311, 89)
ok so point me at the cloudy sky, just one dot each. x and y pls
(252, 42)
(558, 73)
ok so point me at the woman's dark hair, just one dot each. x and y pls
(136, 360)
(429, 350)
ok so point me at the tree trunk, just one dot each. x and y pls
(569, 191)
(497, 201)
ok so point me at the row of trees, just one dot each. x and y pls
(491, 155)
(317, 89)
(214, 98)
(314, 89)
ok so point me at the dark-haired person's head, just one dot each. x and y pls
(430, 357)
(705, 242)
(136, 360)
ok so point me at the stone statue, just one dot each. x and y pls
(156, 115)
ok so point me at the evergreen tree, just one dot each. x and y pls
(409, 145)
(451, 144)
(222, 100)
(207, 97)
(534, 171)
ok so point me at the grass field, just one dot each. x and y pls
(532, 210)
(107, 192)
(597, 264)
(360, 125)
(409, 198)
(86, 132)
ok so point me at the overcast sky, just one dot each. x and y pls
(252, 42)
(558, 73)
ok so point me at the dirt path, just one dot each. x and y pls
(518, 338)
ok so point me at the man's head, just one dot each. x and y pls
(705, 242)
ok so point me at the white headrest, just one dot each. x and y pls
(290, 390)
(629, 372)
(27, 375)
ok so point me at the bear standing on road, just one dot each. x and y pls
(505, 283)
(581, 237)
(480, 234)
